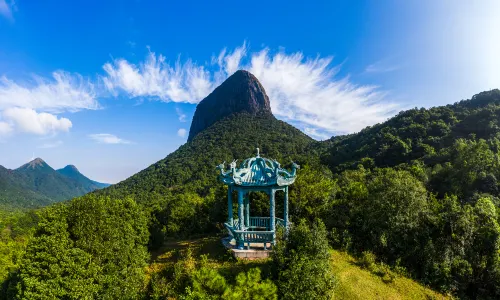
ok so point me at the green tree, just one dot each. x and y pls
(92, 247)
(52, 267)
(312, 193)
(302, 263)
(249, 286)
(392, 213)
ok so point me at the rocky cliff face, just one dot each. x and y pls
(241, 92)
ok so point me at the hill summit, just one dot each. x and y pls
(240, 93)
(36, 163)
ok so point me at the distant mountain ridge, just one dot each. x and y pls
(37, 184)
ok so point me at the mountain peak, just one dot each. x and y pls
(35, 164)
(71, 168)
(241, 92)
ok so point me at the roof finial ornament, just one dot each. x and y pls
(258, 154)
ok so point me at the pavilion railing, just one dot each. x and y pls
(249, 234)
(259, 222)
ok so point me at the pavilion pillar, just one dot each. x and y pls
(272, 221)
(230, 205)
(241, 218)
(241, 212)
(247, 210)
(285, 214)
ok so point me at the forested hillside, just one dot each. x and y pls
(416, 196)
(36, 184)
(15, 193)
(420, 134)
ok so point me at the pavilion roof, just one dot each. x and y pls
(258, 172)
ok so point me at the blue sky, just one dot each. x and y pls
(112, 87)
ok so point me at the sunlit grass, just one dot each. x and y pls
(353, 282)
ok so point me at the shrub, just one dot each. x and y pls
(302, 263)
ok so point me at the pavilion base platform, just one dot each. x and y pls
(256, 250)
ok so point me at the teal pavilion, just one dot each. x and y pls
(256, 174)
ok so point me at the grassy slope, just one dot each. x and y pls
(353, 282)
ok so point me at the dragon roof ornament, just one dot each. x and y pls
(257, 171)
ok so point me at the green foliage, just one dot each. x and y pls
(93, 247)
(187, 197)
(302, 263)
(207, 283)
(390, 214)
(312, 193)
(367, 260)
(16, 229)
(15, 193)
(191, 278)
(192, 166)
(417, 134)
(418, 194)
(249, 286)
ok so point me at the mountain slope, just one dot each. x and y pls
(228, 124)
(43, 179)
(240, 93)
(36, 184)
(72, 172)
(15, 193)
(417, 134)
(192, 166)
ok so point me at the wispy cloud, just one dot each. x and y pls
(106, 138)
(7, 8)
(382, 66)
(51, 145)
(306, 91)
(180, 114)
(131, 43)
(156, 78)
(64, 92)
(182, 132)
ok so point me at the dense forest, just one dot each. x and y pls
(418, 194)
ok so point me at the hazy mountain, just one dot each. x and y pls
(71, 171)
(37, 184)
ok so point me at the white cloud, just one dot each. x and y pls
(306, 91)
(230, 62)
(156, 78)
(32, 107)
(315, 133)
(106, 138)
(7, 8)
(180, 114)
(5, 128)
(182, 132)
(29, 121)
(65, 92)
(51, 145)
